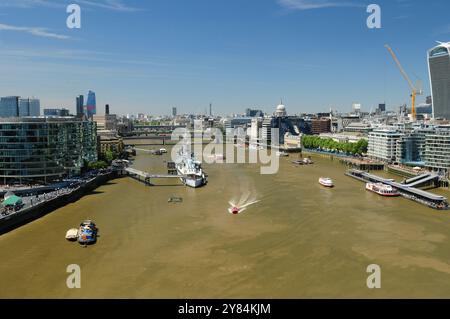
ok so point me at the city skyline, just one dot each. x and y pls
(236, 56)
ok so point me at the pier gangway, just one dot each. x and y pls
(416, 178)
(146, 177)
(424, 180)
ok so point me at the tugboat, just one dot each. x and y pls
(87, 233)
(327, 182)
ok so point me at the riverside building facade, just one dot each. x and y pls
(437, 150)
(39, 149)
(383, 144)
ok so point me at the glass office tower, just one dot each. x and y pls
(29, 107)
(9, 106)
(91, 104)
(42, 149)
(439, 69)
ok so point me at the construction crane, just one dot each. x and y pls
(414, 89)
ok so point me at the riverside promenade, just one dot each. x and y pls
(38, 205)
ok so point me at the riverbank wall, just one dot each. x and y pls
(30, 214)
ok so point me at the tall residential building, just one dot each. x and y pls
(383, 144)
(9, 106)
(410, 148)
(91, 104)
(266, 132)
(437, 150)
(439, 69)
(80, 106)
(29, 107)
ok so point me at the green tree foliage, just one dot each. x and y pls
(315, 142)
(109, 156)
(98, 165)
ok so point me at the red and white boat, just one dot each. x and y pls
(327, 182)
(382, 189)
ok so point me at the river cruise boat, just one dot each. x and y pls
(327, 182)
(382, 189)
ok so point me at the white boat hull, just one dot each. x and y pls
(194, 183)
(326, 182)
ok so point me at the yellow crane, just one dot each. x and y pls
(414, 90)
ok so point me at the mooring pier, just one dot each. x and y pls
(407, 190)
(147, 177)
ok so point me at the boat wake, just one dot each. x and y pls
(240, 205)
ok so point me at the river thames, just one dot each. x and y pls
(299, 241)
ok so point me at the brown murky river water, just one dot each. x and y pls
(299, 241)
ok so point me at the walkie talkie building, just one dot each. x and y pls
(439, 68)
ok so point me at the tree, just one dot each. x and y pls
(315, 142)
(109, 156)
(98, 165)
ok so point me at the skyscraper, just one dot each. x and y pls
(174, 111)
(9, 106)
(107, 109)
(439, 69)
(91, 104)
(80, 106)
(29, 107)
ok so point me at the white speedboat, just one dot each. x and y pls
(327, 182)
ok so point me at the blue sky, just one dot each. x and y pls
(148, 56)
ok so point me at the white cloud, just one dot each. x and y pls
(115, 5)
(29, 3)
(315, 4)
(36, 31)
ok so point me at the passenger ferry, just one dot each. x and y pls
(382, 189)
(327, 182)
